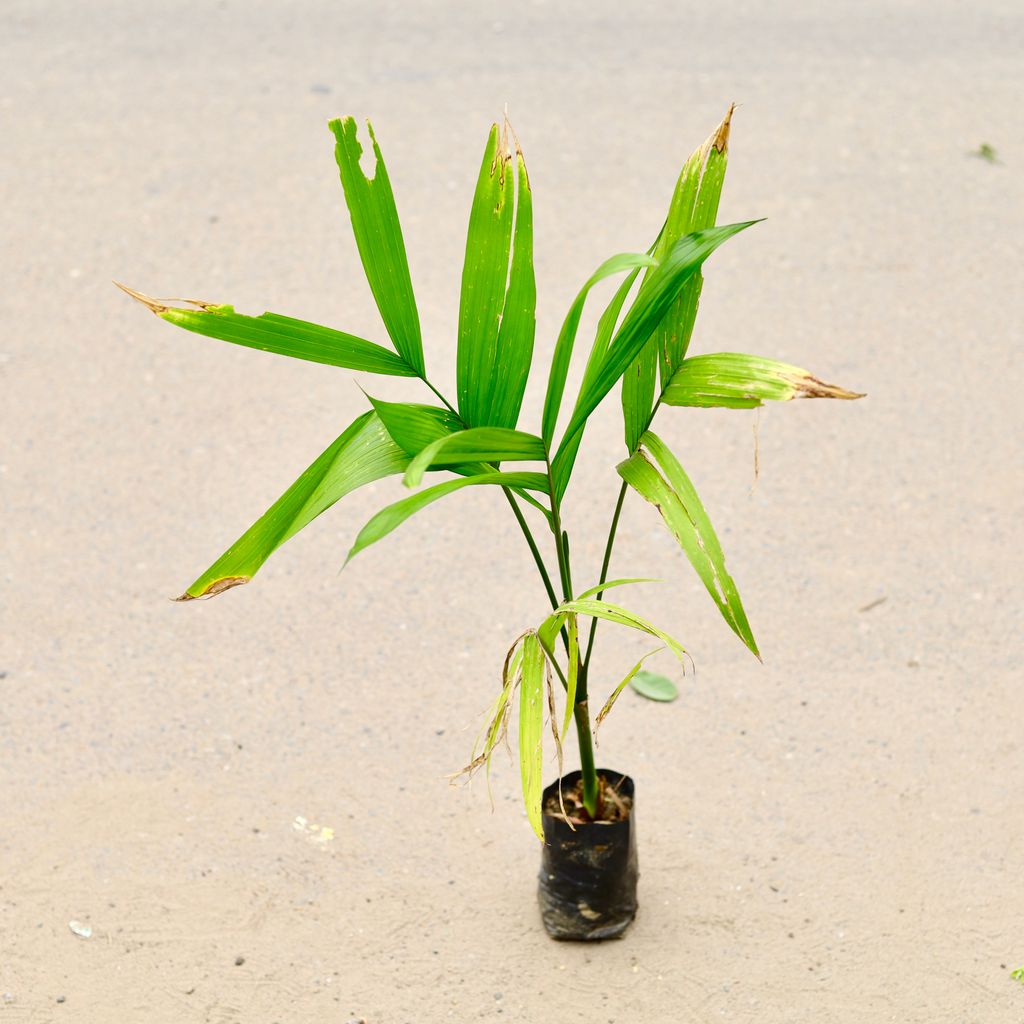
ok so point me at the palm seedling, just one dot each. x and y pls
(642, 339)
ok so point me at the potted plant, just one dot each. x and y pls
(588, 876)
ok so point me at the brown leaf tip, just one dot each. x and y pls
(720, 140)
(159, 306)
(215, 588)
(810, 387)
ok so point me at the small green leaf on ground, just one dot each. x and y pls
(987, 153)
(654, 687)
(1018, 974)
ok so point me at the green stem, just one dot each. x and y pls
(591, 786)
(604, 575)
(525, 527)
(581, 710)
(560, 537)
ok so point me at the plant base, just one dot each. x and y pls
(588, 873)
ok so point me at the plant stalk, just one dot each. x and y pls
(591, 786)
(581, 709)
(604, 575)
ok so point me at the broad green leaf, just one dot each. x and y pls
(378, 234)
(639, 383)
(676, 499)
(284, 335)
(561, 469)
(626, 680)
(616, 614)
(654, 687)
(567, 336)
(478, 444)
(414, 426)
(363, 453)
(531, 725)
(498, 299)
(733, 380)
(682, 260)
(694, 207)
(394, 515)
(511, 364)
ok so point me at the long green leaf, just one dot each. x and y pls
(639, 383)
(378, 234)
(621, 616)
(415, 426)
(498, 299)
(511, 365)
(394, 515)
(562, 467)
(271, 332)
(363, 453)
(567, 335)
(733, 380)
(531, 726)
(675, 497)
(609, 584)
(478, 444)
(682, 260)
(694, 207)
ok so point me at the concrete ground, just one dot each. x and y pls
(834, 836)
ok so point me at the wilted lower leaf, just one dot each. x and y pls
(653, 686)
(531, 726)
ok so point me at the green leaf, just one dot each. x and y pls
(680, 507)
(363, 453)
(561, 469)
(479, 444)
(394, 515)
(531, 726)
(511, 364)
(682, 260)
(694, 207)
(616, 614)
(412, 426)
(733, 380)
(628, 678)
(567, 336)
(609, 584)
(378, 234)
(271, 332)
(498, 300)
(639, 383)
(654, 687)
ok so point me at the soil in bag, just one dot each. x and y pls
(588, 870)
